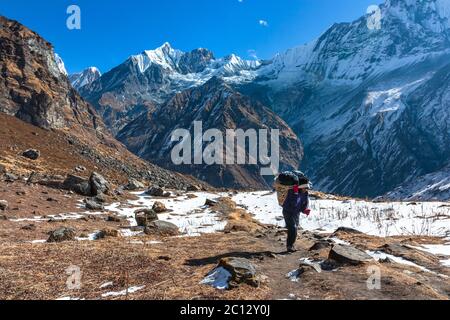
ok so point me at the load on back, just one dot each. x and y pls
(286, 181)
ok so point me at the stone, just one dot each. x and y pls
(133, 185)
(193, 188)
(242, 271)
(329, 265)
(3, 205)
(162, 228)
(10, 177)
(348, 255)
(347, 230)
(210, 203)
(3, 218)
(111, 218)
(99, 184)
(155, 192)
(29, 227)
(91, 204)
(80, 169)
(31, 154)
(145, 216)
(159, 207)
(319, 245)
(62, 234)
(78, 185)
(107, 233)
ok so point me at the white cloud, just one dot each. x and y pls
(263, 23)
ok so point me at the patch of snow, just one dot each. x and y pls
(218, 278)
(123, 292)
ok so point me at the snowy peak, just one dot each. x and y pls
(87, 76)
(60, 65)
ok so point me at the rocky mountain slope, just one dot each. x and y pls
(41, 112)
(219, 107)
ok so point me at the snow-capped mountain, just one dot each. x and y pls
(369, 103)
(60, 65)
(87, 76)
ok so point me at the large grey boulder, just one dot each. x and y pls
(242, 271)
(161, 228)
(93, 204)
(62, 234)
(348, 255)
(99, 185)
(145, 216)
(78, 185)
(155, 192)
(133, 185)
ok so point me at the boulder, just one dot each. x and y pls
(9, 177)
(155, 192)
(193, 188)
(112, 218)
(62, 234)
(99, 185)
(107, 233)
(159, 207)
(320, 245)
(347, 230)
(145, 216)
(348, 255)
(31, 154)
(161, 228)
(210, 203)
(93, 204)
(78, 185)
(3, 205)
(133, 185)
(242, 271)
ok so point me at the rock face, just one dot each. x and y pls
(242, 271)
(217, 106)
(348, 255)
(62, 234)
(162, 228)
(31, 154)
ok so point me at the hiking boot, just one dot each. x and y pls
(291, 249)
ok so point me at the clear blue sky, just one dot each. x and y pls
(112, 30)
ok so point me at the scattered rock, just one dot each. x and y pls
(155, 192)
(167, 195)
(78, 185)
(210, 203)
(347, 230)
(193, 188)
(145, 216)
(80, 169)
(159, 207)
(99, 185)
(3, 205)
(319, 245)
(133, 185)
(31, 154)
(30, 227)
(112, 218)
(329, 265)
(165, 258)
(62, 234)
(9, 177)
(162, 228)
(242, 271)
(92, 204)
(107, 233)
(348, 255)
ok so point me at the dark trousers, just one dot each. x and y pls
(292, 223)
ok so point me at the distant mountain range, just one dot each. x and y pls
(368, 107)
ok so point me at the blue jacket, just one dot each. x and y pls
(296, 203)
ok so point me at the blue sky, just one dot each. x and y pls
(112, 30)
